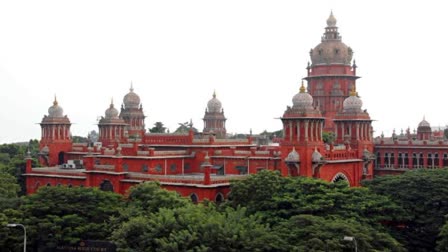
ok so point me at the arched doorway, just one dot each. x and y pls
(106, 186)
(219, 198)
(194, 198)
(60, 158)
(340, 177)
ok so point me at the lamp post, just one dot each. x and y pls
(24, 233)
(351, 239)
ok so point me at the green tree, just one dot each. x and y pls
(328, 137)
(9, 190)
(442, 244)
(158, 128)
(196, 228)
(283, 197)
(422, 195)
(56, 215)
(314, 233)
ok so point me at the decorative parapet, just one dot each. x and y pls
(109, 152)
(201, 140)
(80, 144)
(142, 153)
(77, 148)
(104, 167)
(241, 152)
(339, 147)
(172, 153)
(218, 140)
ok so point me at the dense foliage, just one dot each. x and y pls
(423, 194)
(63, 215)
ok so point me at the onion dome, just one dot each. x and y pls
(131, 99)
(424, 123)
(352, 103)
(331, 50)
(214, 105)
(316, 156)
(302, 100)
(55, 110)
(293, 156)
(111, 112)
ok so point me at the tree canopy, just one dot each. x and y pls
(423, 196)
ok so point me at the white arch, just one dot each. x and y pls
(339, 176)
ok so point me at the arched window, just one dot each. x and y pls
(194, 198)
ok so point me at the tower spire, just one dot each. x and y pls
(302, 88)
(132, 87)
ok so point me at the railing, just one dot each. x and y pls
(80, 144)
(126, 145)
(231, 140)
(142, 153)
(165, 153)
(104, 167)
(241, 152)
(77, 148)
(201, 140)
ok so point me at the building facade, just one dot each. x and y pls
(202, 166)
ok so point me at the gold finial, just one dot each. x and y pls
(302, 88)
(132, 88)
(55, 103)
(353, 91)
(112, 102)
(214, 93)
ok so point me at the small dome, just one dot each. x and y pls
(45, 149)
(302, 100)
(55, 110)
(131, 99)
(331, 21)
(111, 112)
(293, 156)
(316, 156)
(214, 105)
(352, 103)
(424, 123)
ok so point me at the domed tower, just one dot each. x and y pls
(111, 127)
(132, 114)
(55, 137)
(331, 75)
(214, 119)
(302, 131)
(424, 131)
(353, 125)
(353, 128)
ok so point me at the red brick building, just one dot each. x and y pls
(200, 166)
(424, 148)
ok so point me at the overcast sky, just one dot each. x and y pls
(253, 53)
